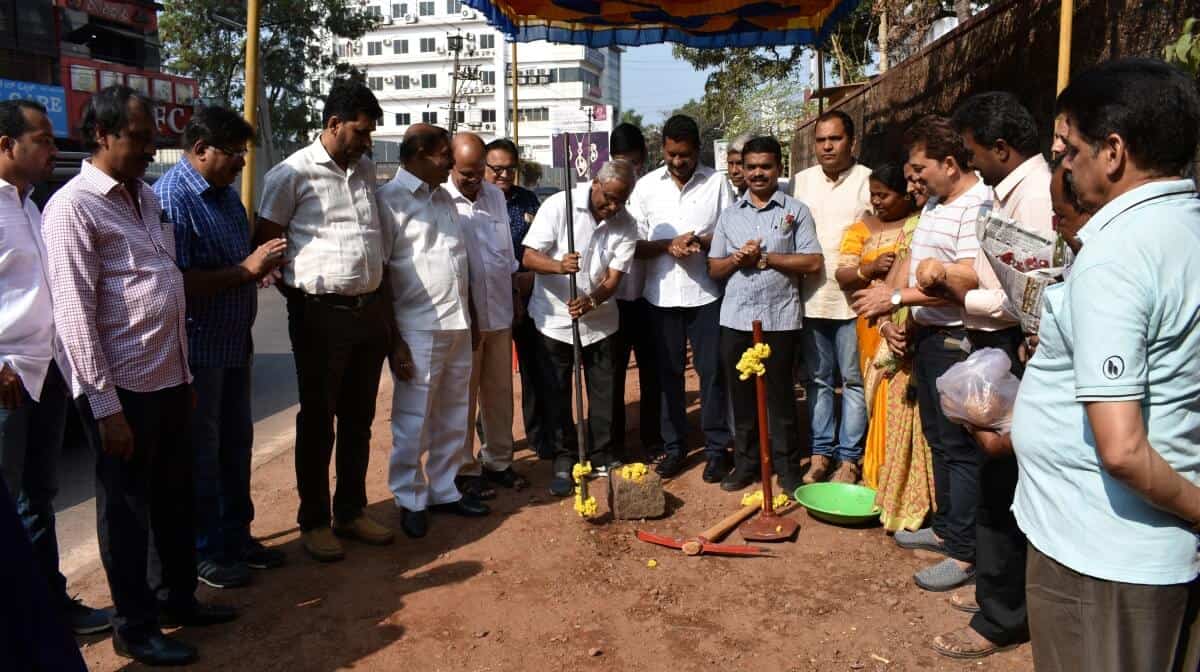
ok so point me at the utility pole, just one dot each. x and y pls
(455, 44)
(251, 112)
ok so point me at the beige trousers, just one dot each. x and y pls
(492, 393)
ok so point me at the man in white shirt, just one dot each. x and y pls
(677, 207)
(1002, 137)
(33, 391)
(322, 199)
(428, 272)
(483, 215)
(946, 232)
(838, 193)
(605, 241)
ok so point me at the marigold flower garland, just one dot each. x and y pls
(584, 507)
(634, 472)
(751, 363)
(755, 499)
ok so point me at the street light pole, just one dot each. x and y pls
(251, 112)
(454, 43)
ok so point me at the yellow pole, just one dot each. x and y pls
(516, 117)
(1066, 11)
(251, 97)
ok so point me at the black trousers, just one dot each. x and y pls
(1000, 546)
(782, 421)
(636, 336)
(673, 329)
(956, 457)
(144, 508)
(598, 378)
(339, 355)
(537, 380)
(33, 634)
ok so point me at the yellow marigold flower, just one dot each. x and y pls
(585, 507)
(651, 563)
(751, 364)
(634, 472)
(781, 500)
(581, 470)
(752, 498)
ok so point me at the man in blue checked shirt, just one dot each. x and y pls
(763, 245)
(220, 274)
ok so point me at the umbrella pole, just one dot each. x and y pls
(769, 526)
(1066, 16)
(581, 431)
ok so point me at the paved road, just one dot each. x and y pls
(274, 398)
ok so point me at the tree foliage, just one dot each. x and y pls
(296, 46)
(1185, 52)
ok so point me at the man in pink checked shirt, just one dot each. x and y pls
(119, 309)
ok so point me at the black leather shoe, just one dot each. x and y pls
(475, 487)
(414, 523)
(467, 506)
(671, 465)
(157, 650)
(198, 615)
(717, 468)
(738, 481)
(506, 478)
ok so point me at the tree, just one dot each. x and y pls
(1185, 52)
(297, 53)
(631, 116)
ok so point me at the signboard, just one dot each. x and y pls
(173, 96)
(139, 15)
(52, 97)
(577, 119)
(588, 152)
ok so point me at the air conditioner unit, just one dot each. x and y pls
(489, 126)
(485, 53)
(470, 100)
(358, 47)
(441, 51)
(489, 89)
(414, 80)
(387, 21)
(387, 43)
(389, 80)
(467, 14)
(410, 18)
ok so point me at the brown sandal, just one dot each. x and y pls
(964, 644)
(965, 603)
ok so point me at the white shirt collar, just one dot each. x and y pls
(1009, 183)
(414, 184)
(6, 186)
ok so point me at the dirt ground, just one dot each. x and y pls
(534, 587)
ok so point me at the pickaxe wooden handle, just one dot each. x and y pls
(718, 531)
(703, 543)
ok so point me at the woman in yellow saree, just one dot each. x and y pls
(897, 460)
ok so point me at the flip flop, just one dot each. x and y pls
(960, 645)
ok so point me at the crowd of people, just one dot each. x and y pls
(135, 303)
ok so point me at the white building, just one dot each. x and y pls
(409, 63)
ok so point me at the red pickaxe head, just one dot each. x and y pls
(701, 546)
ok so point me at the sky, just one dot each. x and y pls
(654, 84)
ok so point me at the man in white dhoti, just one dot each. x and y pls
(431, 357)
(483, 214)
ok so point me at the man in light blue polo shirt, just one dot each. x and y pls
(1107, 424)
(763, 245)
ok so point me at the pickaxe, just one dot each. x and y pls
(704, 542)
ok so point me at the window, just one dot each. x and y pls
(429, 117)
(402, 82)
(428, 81)
(399, 9)
(460, 116)
(533, 114)
(428, 44)
(487, 40)
(425, 8)
(345, 50)
(375, 48)
(403, 118)
(375, 83)
(453, 6)
(578, 75)
(399, 46)
(488, 77)
(488, 116)
(375, 11)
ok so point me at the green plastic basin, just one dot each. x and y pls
(839, 503)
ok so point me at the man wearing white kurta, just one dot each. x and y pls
(483, 213)
(605, 240)
(431, 357)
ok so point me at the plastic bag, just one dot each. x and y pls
(980, 391)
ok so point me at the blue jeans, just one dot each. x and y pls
(222, 438)
(31, 438)
(831, 352)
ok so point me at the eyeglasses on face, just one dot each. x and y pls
(500, 170)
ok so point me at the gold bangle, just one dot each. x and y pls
(859, 273)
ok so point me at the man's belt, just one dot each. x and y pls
(339, 301)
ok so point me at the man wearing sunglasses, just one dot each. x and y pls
(220, 274)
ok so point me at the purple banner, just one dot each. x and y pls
(588, 152)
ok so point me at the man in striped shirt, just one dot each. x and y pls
(119, 309)
(946, 232)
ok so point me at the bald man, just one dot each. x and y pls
(483, 213)
(428, 271)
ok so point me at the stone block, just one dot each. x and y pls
(636, 499)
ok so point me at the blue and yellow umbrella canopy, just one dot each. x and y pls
(706, 24)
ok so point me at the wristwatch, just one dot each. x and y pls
(762, 261)
(896, 299)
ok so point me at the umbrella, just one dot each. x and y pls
(711, 25)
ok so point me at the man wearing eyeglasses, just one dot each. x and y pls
(503, 161)
(220, 274)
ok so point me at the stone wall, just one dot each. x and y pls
(1012, 46)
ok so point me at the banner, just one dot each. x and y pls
(53, 98)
